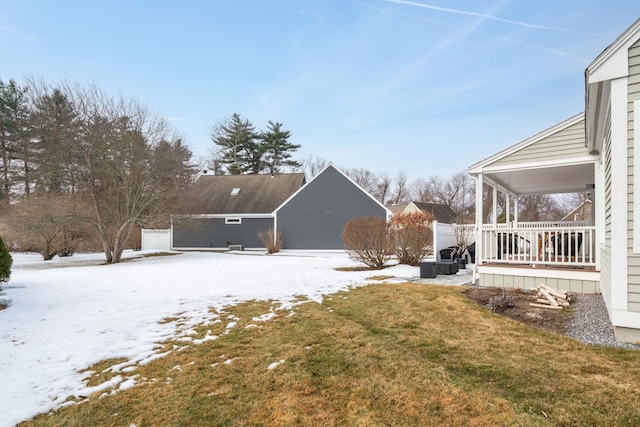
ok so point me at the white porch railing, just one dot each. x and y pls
(549, 243)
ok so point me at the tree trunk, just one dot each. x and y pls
(121, 239)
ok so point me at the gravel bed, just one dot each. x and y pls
(590, 323)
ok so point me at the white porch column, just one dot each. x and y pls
(508, 215)
(515, 209)
(479, 219)
(495, 206)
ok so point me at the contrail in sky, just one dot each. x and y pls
(484, 15)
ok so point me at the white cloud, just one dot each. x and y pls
(488, 16)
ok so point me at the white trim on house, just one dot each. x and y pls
(540, 165)
(482, 166)
(214, 249)
(619, 288)
(624, 318)
(613, 63)
(229, 215)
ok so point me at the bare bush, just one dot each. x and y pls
(412, 237)
(500, 303)
(271, 241)
(368, 240)
(47, 224)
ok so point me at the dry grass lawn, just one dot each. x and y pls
(406, 354)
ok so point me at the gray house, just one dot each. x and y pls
(224, 210)
(314, 217)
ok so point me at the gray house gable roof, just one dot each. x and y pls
(442, 213)
(331, 166)
(239, 194)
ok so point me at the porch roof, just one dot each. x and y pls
(555, 160)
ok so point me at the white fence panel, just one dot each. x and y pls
(443, 236)
(156, 239)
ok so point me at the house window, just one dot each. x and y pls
(233, 220)
(235, 191)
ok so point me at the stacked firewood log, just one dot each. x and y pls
(550, 298)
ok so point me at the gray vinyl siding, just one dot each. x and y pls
(568, 143)
(315, 217)
(213, 233)
(605, 253)
(633, 260)
(513, 281)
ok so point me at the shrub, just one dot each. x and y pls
(412, 237)
(46, 224)
(5, 262)
(272, 242)
(367, 240)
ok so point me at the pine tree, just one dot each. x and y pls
(12, 137)
(5, 262)
(54, 127)
(277, 148)
(240, 149)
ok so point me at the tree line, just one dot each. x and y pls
(76, 162)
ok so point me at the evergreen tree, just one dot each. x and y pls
(277, 148)
(54, 128)
(12, 123)
(240, 150)
(5, 262)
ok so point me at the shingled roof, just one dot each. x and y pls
(240, 194)
(442, 213)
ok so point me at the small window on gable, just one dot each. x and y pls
(233, 220)
(235, 191)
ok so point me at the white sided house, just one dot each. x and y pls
(597, 152)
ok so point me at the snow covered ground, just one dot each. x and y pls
(66, 314)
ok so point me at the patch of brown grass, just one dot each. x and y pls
(387, 355)
(380, 278)
(160, 254)
(360, 268)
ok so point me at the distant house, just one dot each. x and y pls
(441, 213)
(314, 217)
(582, 212)
(224, 210)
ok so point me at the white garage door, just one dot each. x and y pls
(156, 239)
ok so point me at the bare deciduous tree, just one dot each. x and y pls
(457, 192)
(126, 150)
(364, 178)
(401, 190)
(312, 166)
(383, 188)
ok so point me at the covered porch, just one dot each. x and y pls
(563, 254)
